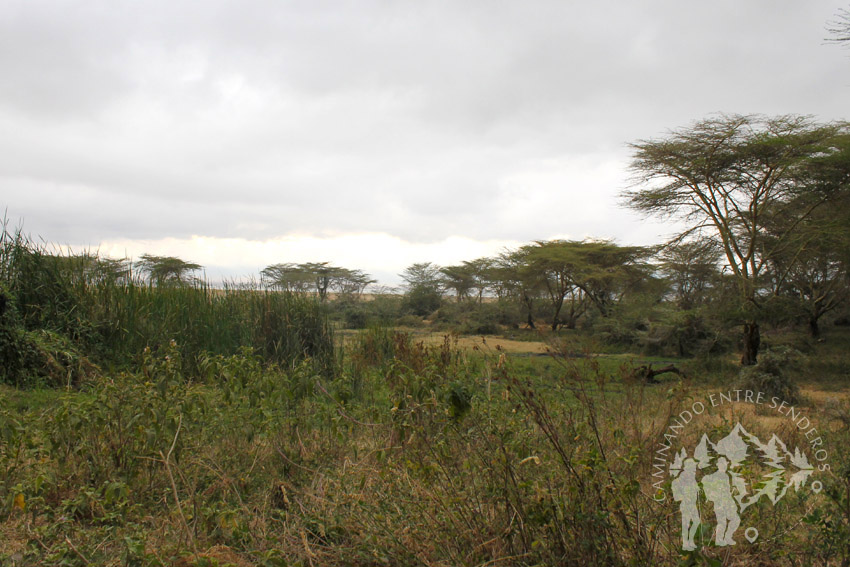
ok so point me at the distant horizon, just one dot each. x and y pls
(223, 275)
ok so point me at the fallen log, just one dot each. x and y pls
(648, 374)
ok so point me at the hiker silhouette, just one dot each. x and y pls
(718, 490)
(686, 490)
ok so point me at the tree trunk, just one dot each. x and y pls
(573, 316)
(556, 321)
(814, 328)
(528, 304)
(752, 340)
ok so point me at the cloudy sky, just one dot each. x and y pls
(373, 134)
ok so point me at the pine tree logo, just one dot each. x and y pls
(717, 470)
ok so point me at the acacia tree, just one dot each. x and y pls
(690, 268)
(481, 273)
(729, 177)
(814, 271)
(516, 278)
(558, 263)
(471, 276)
(351, 284)
(322, 274)
(320, 277)
(423, 286)
(112, 269)
(820, 283)
(423, 274)
(572, 275)
(608, 271)
(288, 277)
(167, 270)
(457, 279)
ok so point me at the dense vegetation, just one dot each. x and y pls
(63, 316)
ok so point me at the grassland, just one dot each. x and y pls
(417, 453)
(191, 428)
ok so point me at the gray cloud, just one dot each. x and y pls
(419, 119)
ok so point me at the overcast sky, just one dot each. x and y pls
(373, 134)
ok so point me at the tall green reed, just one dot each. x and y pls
(113, 316)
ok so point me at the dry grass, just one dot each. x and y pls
(492, 342)
(466, 343)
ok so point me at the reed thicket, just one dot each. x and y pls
(63, 315)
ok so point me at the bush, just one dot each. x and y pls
(355, 317)
(683, 334)
(410, 321)
(771, 375)
(614, 332)
(384, 308)
(483, 320)
(472, 318)
(422, 301)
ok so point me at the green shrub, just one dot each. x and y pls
(683, 334)
(472, 318)
(384, 308)
(422, 301)
(617, 333)
(773, 375)
(412, 321)
(355, 317)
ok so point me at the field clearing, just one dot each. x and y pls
(467, 343)
(492, 342)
